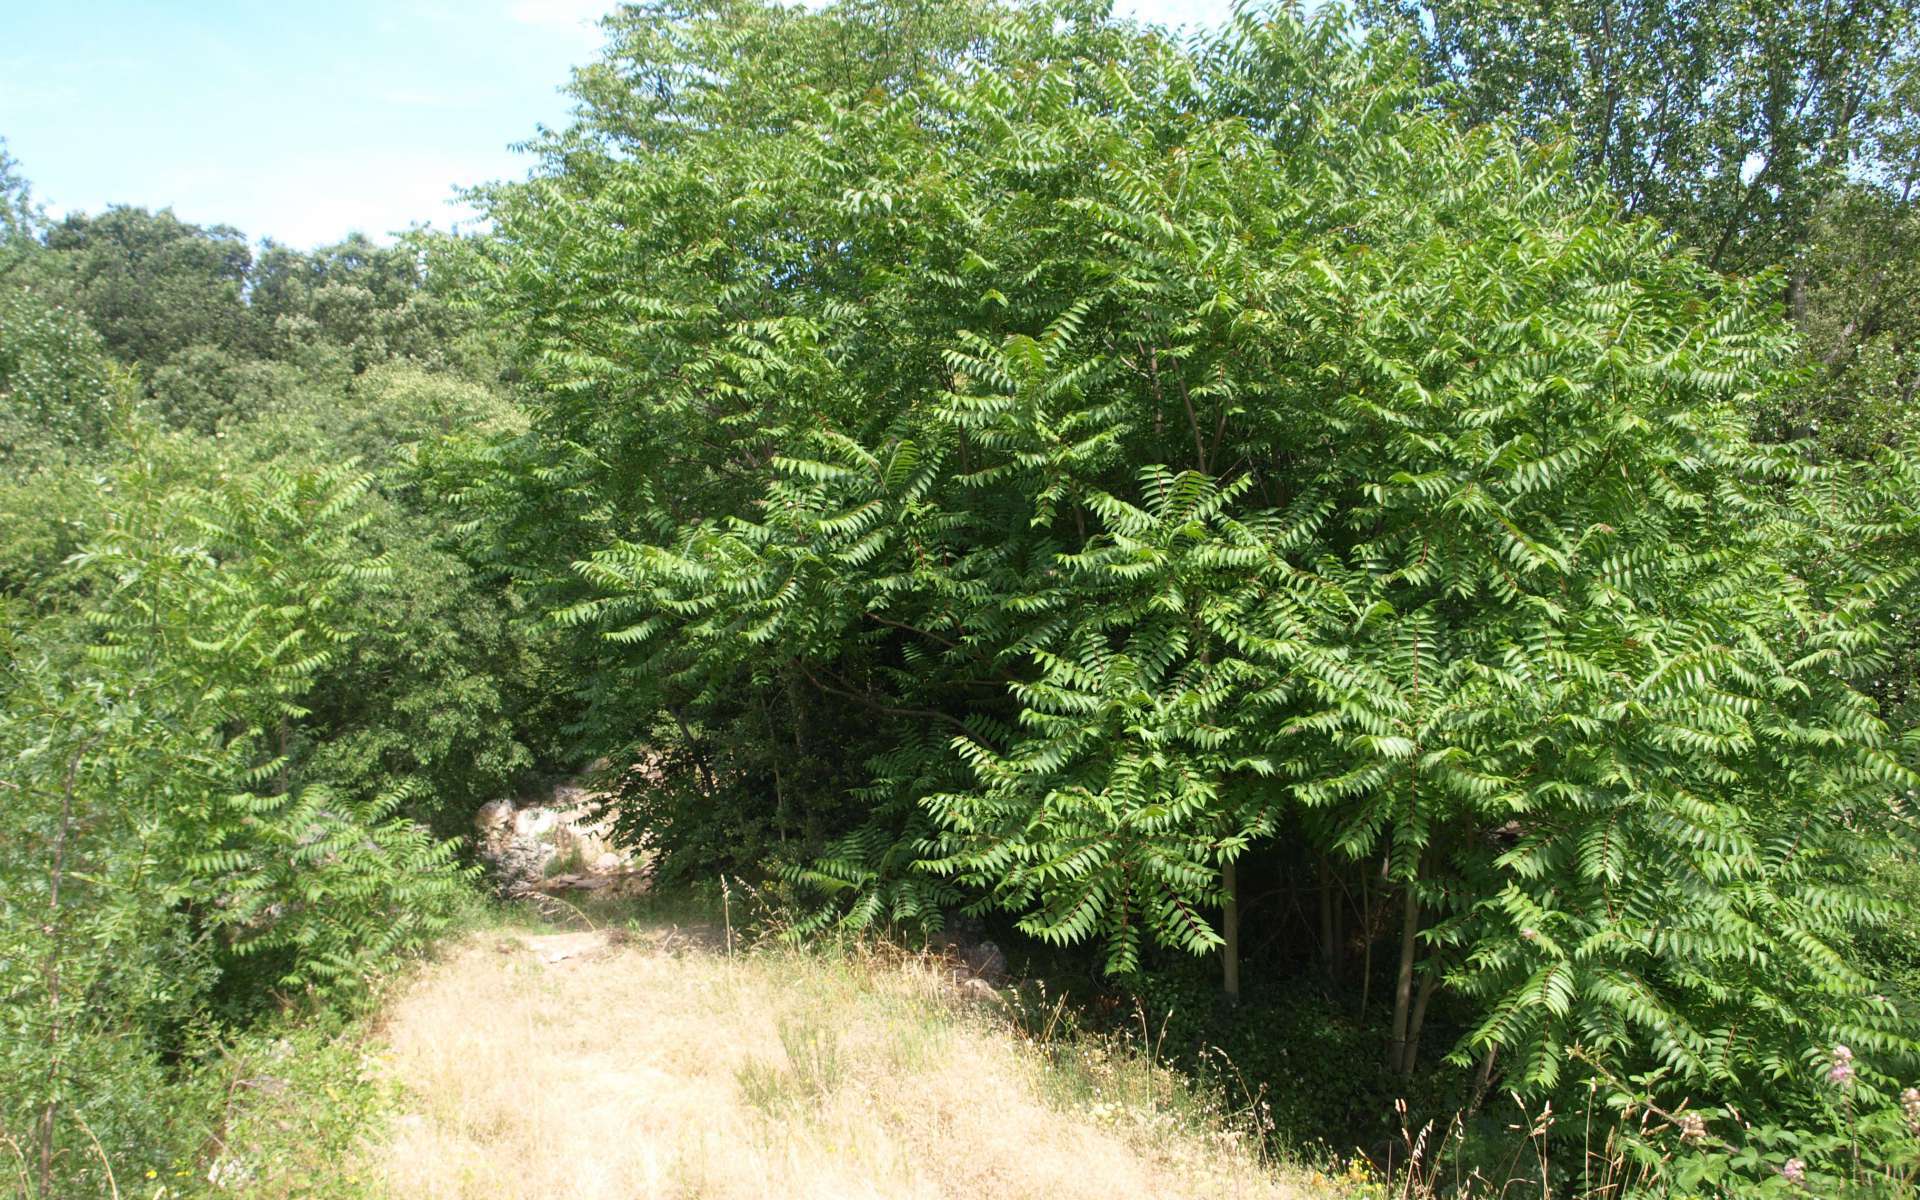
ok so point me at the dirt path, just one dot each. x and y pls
(654, 1065)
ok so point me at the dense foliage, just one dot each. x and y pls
(1161, 471)
(251, 684)
(1730, 121)
(1389, 544)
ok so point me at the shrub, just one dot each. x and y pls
(157, 849)
(1140, 451)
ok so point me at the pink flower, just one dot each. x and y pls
(1840, 1074)
(1795, 1172)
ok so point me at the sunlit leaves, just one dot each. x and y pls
(1132, 450)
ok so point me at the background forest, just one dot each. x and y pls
(1382, 542)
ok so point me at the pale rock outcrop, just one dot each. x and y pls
(560, 842)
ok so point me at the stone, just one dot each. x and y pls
(985, 961)
(494, 817)
(972, 957)
(569, 832)
(515, 857)
(533, 822)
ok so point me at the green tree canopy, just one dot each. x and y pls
(150, 282)
(1728, 120)
(1151, 455)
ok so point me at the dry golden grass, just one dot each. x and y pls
(561, 1065)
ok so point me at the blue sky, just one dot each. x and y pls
(299, 120)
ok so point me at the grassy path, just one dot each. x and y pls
(650, 1063)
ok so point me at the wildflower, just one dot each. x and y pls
(1527, 935)
(1840, 1074)
(1693, 1127)
(1795, 1172)
(1910, 1105)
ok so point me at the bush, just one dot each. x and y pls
(159, 850)
(1150, 457)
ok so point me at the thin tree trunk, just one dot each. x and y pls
(1328, 949)
(1293, 905)
(699, 752)
(1230, 934)
(1418, 1020)
(1482, 1080)
(1366, 944)
(773, 760)
(1403, 980)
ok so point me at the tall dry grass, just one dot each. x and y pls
(566, 1066)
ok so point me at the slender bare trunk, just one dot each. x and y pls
(1230, 934)
(698, 751)
(1403, 979)
(1328, 943)
(1366, 944)
(1428, 982)
(773, 760)
(1293, 904)
(1482, 1080)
